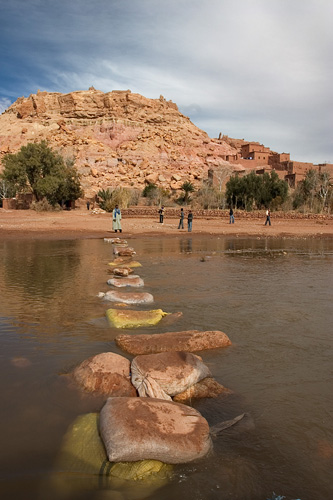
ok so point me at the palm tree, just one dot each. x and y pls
(188, 188)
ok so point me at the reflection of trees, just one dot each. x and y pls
(39, 267)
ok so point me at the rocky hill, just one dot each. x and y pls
(116, 138)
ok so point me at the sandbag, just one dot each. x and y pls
(105, 373)
(190, 340)
(121, 271)
(128, 297)
(133, 281)
(142, 428)
(166, 374)
(83, 453)
(119, 261)
(124, 251)
(206, 388)
(134, 319)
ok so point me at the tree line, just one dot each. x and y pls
(49, 177)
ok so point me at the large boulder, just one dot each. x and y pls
(106, 373)
(134, 319)
(190, 340)
(166, 374)
(128, 297)
(143, 428)
(133, 281)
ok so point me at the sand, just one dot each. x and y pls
(79, 224)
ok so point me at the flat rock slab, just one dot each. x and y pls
(190, 340)
(133, 281)
(128, 297)
(143, 428)
(106, 373)
(134, 319)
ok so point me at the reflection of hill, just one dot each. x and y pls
(51, 285)
(39, 269)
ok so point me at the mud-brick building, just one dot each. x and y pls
(253, 156)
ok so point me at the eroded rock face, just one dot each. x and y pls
(105, 373)
(190, 340)
(114, 137)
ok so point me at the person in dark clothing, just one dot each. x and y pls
(161, 212)
(189, 221)
(181, 220)
(231, 216)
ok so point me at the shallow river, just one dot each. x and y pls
(272, 298)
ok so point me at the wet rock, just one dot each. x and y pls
(105, 373)
(190, 340)
(143, 428)
(206, 388)
(128, 297)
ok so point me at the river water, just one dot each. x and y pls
(273, 299)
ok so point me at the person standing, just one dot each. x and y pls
(268, 217)
(189, 221)
(161, 212)
(231, 216)
(181, 220)
(116, 219)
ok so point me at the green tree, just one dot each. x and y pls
(45, 173)
(255, 190)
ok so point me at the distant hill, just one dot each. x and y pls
(116, 138)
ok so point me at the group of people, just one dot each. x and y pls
(181, 219)
(116, 218)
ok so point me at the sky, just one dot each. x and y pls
(259, 70)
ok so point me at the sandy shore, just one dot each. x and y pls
(75, 224)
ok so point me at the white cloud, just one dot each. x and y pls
(4, 104)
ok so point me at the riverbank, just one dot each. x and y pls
(81, 224)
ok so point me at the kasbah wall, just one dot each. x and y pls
(253, 156)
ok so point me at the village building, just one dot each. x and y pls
(253, 156)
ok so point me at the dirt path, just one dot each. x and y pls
(83, 224)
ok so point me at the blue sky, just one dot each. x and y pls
(255, 69)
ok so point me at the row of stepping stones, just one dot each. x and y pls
(144, 421)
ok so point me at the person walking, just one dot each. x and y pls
(189, 221)
(161, 212)
(268, 217)
(181, 220)
(116, 219)
(231, 216)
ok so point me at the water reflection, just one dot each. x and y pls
(272, 297)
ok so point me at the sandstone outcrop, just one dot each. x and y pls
(116, 138)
